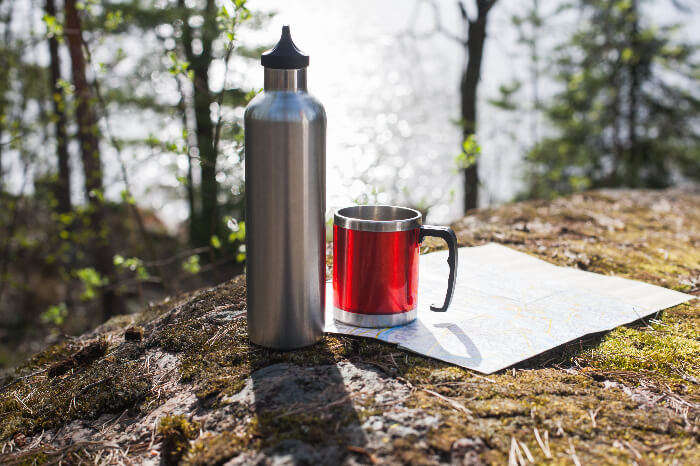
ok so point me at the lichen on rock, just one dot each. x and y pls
(180, 382)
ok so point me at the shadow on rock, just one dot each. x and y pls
(305, 414)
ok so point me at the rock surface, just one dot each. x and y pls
(191, 388)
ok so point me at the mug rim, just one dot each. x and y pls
(351, 218)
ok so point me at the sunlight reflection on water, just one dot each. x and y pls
(389, 104)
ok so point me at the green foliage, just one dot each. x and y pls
(127, 198)
(97, 193)
(230, 15)
(627, 112)
(55, 315)
(176, 147)
(470, 153)
(191, 265)
(113, 20)
(241, 256)
(92, 281)
(198, 35)
(507, 95)
(132, 264)
(179, 67)
(125, 81)
(237, 235)
(237, 230)
(53, 27)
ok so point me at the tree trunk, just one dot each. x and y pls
(476, 37)
(205, 142)
(58, 100)
(535, 71)
(618, 149)
(208, 221)
(1, 169)
(4, 74)
(88, 131)
(182, 108)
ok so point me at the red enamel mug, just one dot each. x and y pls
(375, 264)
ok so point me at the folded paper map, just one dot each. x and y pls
(509, 306)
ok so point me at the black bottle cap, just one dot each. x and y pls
(285, 55)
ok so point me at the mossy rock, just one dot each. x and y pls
(180, 382)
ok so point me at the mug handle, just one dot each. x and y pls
(450, 238)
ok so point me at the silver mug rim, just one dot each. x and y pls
(377, 218)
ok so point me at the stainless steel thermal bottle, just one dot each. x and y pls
(285, 183)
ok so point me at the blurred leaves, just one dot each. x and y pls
(470, 153)
(91, 281)
(507, 95)
(132, 264)
(53, 27)
(191, 265)
(55, 315)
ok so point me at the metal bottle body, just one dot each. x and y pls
(285, 177)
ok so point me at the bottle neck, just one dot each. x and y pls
(285, 80)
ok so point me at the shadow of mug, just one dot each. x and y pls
(474, 357)
(417, 337)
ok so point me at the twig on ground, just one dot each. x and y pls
(527, 452)
(23, 404)
(58, 454)
(362, 451)
(544, 446)
(482, 377)
(593, 415)
(572, 452)
(455, 404)
(633, 450)
(36, 442)
(153, 433)
(515, 456)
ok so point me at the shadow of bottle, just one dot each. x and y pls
(303, 410)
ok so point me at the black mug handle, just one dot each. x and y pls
(450, 238)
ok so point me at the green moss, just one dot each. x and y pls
(215, 449)
(661, 352)
(92, 351)
(108, 385)
(52, 354)
(177, 432)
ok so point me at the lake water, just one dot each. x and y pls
(392, 101)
